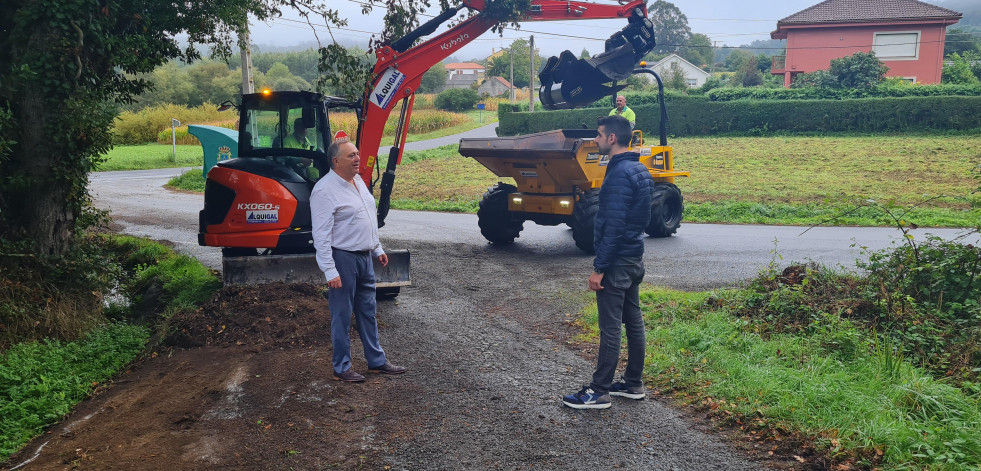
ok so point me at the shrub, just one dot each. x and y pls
(928, 295)
(457, 99)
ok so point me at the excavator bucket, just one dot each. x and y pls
(303, 268)
(569, 82)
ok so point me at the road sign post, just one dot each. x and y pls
(174, 123)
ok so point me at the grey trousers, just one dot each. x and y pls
(356, 295)
(618, 304)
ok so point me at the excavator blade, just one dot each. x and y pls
(303, 268)
(569, 82)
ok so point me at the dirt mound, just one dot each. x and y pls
(272, 316)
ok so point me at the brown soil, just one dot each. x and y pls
(244, 383)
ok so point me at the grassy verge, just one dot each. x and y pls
(42, 381)
(150, 156)
(108, 295)
(832, 369)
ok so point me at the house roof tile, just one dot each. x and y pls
(464, 65)
(501, 79)
(863, 11)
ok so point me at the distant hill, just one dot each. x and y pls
(970, 8)
(306, 45)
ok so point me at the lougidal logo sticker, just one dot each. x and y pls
(256, 217)
(383, 93)
(591, 158)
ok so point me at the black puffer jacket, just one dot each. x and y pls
(624, 210)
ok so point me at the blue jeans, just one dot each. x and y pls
(356, 295)
(619, 303)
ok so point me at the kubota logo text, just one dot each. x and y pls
(454, 41)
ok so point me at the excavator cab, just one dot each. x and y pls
(290, 128)
(257, 206)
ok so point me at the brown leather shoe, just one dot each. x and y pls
(388, 369)
(349, 376)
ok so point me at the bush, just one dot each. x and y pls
(889, 89)
(928, 296)
(457, 99)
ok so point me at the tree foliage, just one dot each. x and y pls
(859, 70)
(434, 79)
(959, 70)
(457, 99)
(959, 41)
(698, 50)
(671, 31)
(500, 66)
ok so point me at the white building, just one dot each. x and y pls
(693, 75)
(463, 74)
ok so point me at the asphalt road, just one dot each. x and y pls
(698, 256)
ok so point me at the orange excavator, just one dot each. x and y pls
(257, 206)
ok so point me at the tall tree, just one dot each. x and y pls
(434, 79)
(959, 41)
(671, 31)
(500, 66)
(698, 50)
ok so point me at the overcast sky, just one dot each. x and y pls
(727, 23)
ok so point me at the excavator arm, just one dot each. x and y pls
(399, 68)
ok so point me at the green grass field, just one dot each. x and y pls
(766, 180)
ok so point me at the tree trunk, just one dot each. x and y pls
(40, 203)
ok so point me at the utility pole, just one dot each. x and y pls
(531, 76)
(511, 70)
(248, 84)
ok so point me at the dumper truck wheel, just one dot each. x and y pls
(496, 222)
(584, 219)
(666, 208)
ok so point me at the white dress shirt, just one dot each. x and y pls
(343, 216)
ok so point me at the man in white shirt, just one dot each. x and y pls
(345, 234)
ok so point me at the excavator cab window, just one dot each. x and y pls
(284, 127)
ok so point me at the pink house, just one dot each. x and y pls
(906, 35)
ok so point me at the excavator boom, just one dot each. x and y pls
(400, 66)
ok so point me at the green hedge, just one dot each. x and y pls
(697, 117)
(815, 93)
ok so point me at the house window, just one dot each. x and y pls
(692, 82)
(902, 45)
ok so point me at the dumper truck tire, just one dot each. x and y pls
(666, 209)
(496, 222)
(584, 219)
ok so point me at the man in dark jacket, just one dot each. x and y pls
(618, 269)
